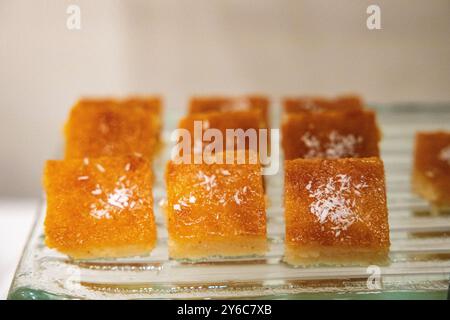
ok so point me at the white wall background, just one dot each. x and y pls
(179, 48)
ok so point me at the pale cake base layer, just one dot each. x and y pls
(112, 252)
(236, 247)
(309, 256)
(422, 187)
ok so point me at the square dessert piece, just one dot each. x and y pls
(108, 127)
(330, 135)
(215, 210)
(222, 121)
(431, 173)
(319, 104)
(99, 208)
(336, 212)
(204, 104)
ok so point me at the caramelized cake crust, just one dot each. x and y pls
(330, 135)
(99, 208)
(215, 210)
(335, 212)
(319, 104)
(107, 127)
(204, 104)
(431, 173)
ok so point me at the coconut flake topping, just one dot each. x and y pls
(333, 201)
(337, 146)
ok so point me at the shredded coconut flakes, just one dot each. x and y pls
(332, 201)
(338, 145)
(208, 182)
(115, 202)
(100, 168)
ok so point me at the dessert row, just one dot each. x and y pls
(100, 201)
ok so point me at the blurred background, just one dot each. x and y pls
(180, 48)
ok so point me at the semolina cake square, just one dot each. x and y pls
(215, 210)
(431, 172)
(99, 208)
(222, 121)
(320, 104)
(330, 135)
(202, 104)
(108, 127)
(336, 212)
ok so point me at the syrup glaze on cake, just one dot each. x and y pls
(320, 104)
(431, 173)
(202, 104)
(330, 135)
(335, 211)
(215, 210)
(107, 127)
(100, 207)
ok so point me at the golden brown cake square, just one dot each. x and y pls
(108, 127)
(215, 210)
(319, 104)
(335, 212)
(99, 208)
(330, 135)
(202, 104)
(431, 173)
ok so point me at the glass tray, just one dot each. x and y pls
(420, 251)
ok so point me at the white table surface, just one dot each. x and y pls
(16, 218)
